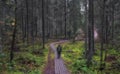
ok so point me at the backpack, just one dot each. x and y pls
(59, 49)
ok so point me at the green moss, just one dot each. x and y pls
(27, 59)
(73, 54)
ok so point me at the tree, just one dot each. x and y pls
(14, 34)
(90, 32)
(86, 26)
(65, 16)
(43, 29)
(102, 31)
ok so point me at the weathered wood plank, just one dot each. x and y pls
(60, 67)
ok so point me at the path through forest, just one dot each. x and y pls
(58, 67)
(49, 69)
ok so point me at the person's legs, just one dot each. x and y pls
(58, 55)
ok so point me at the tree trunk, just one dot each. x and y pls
(65, 16)
(90, 33)
(43, 31)
(14, 34)
(102, 32)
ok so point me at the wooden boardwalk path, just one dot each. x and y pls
(60, 67)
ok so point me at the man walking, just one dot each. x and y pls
(59, 50)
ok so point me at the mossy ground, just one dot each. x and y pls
(73, 54)
(28, 59)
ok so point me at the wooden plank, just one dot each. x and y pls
(60, 67)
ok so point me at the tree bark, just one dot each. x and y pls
(14, 34)
(90, 32)
(43, 29)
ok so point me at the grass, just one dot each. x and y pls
(73, 54)
(27, 60)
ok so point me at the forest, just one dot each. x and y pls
(59, 37)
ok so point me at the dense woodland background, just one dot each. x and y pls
(27, 27)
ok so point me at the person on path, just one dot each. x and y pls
(59, 50)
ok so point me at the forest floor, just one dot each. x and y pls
(74, 61)
(73, 55)
(31, 59)
(28, 59)
(49, 68)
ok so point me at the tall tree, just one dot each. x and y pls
(27, 21)
(86, 26)
(90, 32)
(102, 31)
(65, 16)
(14, 33)
(43, 25)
